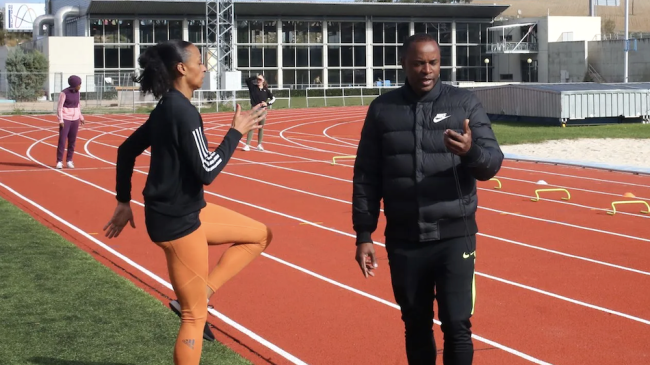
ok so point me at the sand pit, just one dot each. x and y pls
(612, 151)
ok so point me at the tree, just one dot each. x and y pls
(26, 74)
(608, 27)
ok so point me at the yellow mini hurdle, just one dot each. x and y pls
(547, 190)
(342, 157)
(614, 204)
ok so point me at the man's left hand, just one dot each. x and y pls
(457, 143)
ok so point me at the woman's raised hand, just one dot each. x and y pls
(244, 122)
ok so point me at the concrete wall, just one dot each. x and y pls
(607, 57)
(567, 61)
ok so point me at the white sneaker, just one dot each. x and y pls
(260, 148)
(59, 165)
(247, 148)
(70, 165)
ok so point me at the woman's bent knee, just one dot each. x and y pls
(267, 239)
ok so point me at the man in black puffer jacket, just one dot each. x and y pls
(422, 148)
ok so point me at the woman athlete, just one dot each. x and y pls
(177, 217)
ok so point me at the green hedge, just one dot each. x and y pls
(26, 74)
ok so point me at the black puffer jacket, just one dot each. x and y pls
(402, 158)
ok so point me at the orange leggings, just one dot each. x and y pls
(187, 262)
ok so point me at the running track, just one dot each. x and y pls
(558, 282)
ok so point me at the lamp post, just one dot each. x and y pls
(487, 62)
(529, 63)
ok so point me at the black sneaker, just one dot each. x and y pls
(207, 332)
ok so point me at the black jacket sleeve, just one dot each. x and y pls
(128, 151)
(250, 82)
(367, 179)
(271, 97)
(206, 165)
(484, 157)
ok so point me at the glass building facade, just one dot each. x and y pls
(298, 53)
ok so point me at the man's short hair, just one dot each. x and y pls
(417, 37)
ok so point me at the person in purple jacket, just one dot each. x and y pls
(69, 115)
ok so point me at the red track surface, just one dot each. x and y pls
(559, 282)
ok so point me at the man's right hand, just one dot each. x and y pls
(366, 259)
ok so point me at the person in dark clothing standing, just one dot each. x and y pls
(422, 148)
(259, 94)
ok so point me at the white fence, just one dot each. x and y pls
(107, 93)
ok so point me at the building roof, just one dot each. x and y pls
(299, 9)
(578, 87)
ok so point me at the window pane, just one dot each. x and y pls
(347, 32)
(390, 54)
(333, 56)
(334, 78)
(315, 77)
(99, 57)
(377, 32)
(360, 77)
(445, 33)
(378, 56)
(110, 31)
(270, 57)
(302, 78)
(270, 32)
(462, 55)
(288, 32)
(403, 32)
(288, 56)
(302, 57)
(419, 27)
(432, 28)
(475, 54)
(390, 33)
(97, 30)
(445, 55)
(242, 32)
(347, 78)
(127, 57)
(461, 33)
(359, 32)
(445, 74)
(315, 32)
(346, 56)
(112, 57)
(160, 29)
(316, 56)
(333, 32)
(390, 75)
(126, 31)
(256, 56)
(359, 56)
(242, 56)
(195, 28)
(474, 33)
(302, 32)
(146, 31)
(289, 78)
(175, 29)
(256, 32)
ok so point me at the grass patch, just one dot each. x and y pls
(518, 133)
(61, 306)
